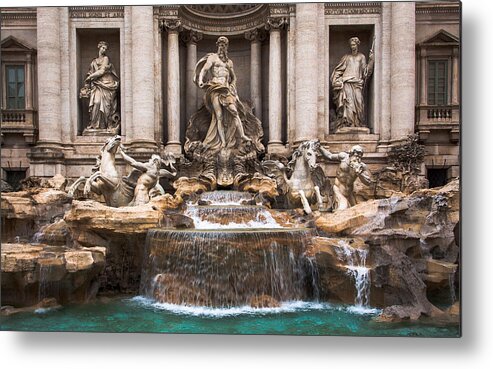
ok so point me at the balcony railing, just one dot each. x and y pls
(20, 122)
(437, 114)
(23, 119)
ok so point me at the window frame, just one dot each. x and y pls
(6, 66)
(448, 63)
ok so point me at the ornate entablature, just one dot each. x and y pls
(223, 19)
(19, 18)
(96, 11)
(353, 8)
(438, 8)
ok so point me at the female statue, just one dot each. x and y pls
(101, 85)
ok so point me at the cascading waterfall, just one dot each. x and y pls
(46, 286)
(355, 260)
(451, 286)
(237, 255)
(226, 197)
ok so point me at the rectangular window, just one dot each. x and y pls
(437, 82)
(15, 87)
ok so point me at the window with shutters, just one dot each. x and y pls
(438, 82)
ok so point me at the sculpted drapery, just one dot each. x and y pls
(101, 86)
(348, 82)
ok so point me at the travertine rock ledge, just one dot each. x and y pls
(413, 247)
(31, 272)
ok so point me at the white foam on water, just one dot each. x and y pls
(362, 310)
(264, 219)
(286, 307)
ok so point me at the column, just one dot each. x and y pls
(48, 41)
(173, 27)
(403, 69)
(191, 38)
(274, 25)
(256, 37)
(423, 98)
(385, 68)
(306, 70)
(143, 77)
(455, 77)
(29, 82)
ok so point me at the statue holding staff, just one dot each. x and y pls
(349, 79)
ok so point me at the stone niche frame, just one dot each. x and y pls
(366, 21)
(76, 27)
(87, 41)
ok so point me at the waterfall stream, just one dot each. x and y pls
(355, 260)
(237, 255)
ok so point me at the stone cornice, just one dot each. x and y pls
(19, 17)
(166, 11)
(438, 8)
(96, 11)
(353, 8)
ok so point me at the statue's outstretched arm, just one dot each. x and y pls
(330, 156)
(166, 174)
(134, 163)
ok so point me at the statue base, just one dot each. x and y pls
(101, 132)
(352, 130)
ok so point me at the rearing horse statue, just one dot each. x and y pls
(307, 179)
(116, 190)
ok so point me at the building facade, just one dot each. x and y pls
(283, 54)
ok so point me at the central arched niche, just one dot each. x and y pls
(223, 19)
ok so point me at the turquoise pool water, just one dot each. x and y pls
(293, 318)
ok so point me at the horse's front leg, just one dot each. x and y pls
(88, 187)
(304, 201)
(320, 200)
(74, 186)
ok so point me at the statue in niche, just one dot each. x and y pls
(100, 86)
(351, 167)
(349, 79)
(223, 135)
(148, 182)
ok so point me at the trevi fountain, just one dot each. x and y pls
(230, 238)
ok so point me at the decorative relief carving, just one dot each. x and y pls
(191, 36)
(170, 25)
(166, 11)
(452, 8)
(255, 35)
(279, 9)
(18, 17)
(232, 19)
(353, 8)
(276, 23)
(96, 11)
(229, 9)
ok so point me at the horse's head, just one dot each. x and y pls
(308, 150)
(112, 144)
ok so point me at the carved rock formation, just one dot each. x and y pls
(32, 272)
(412, 246)
(24, 212)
